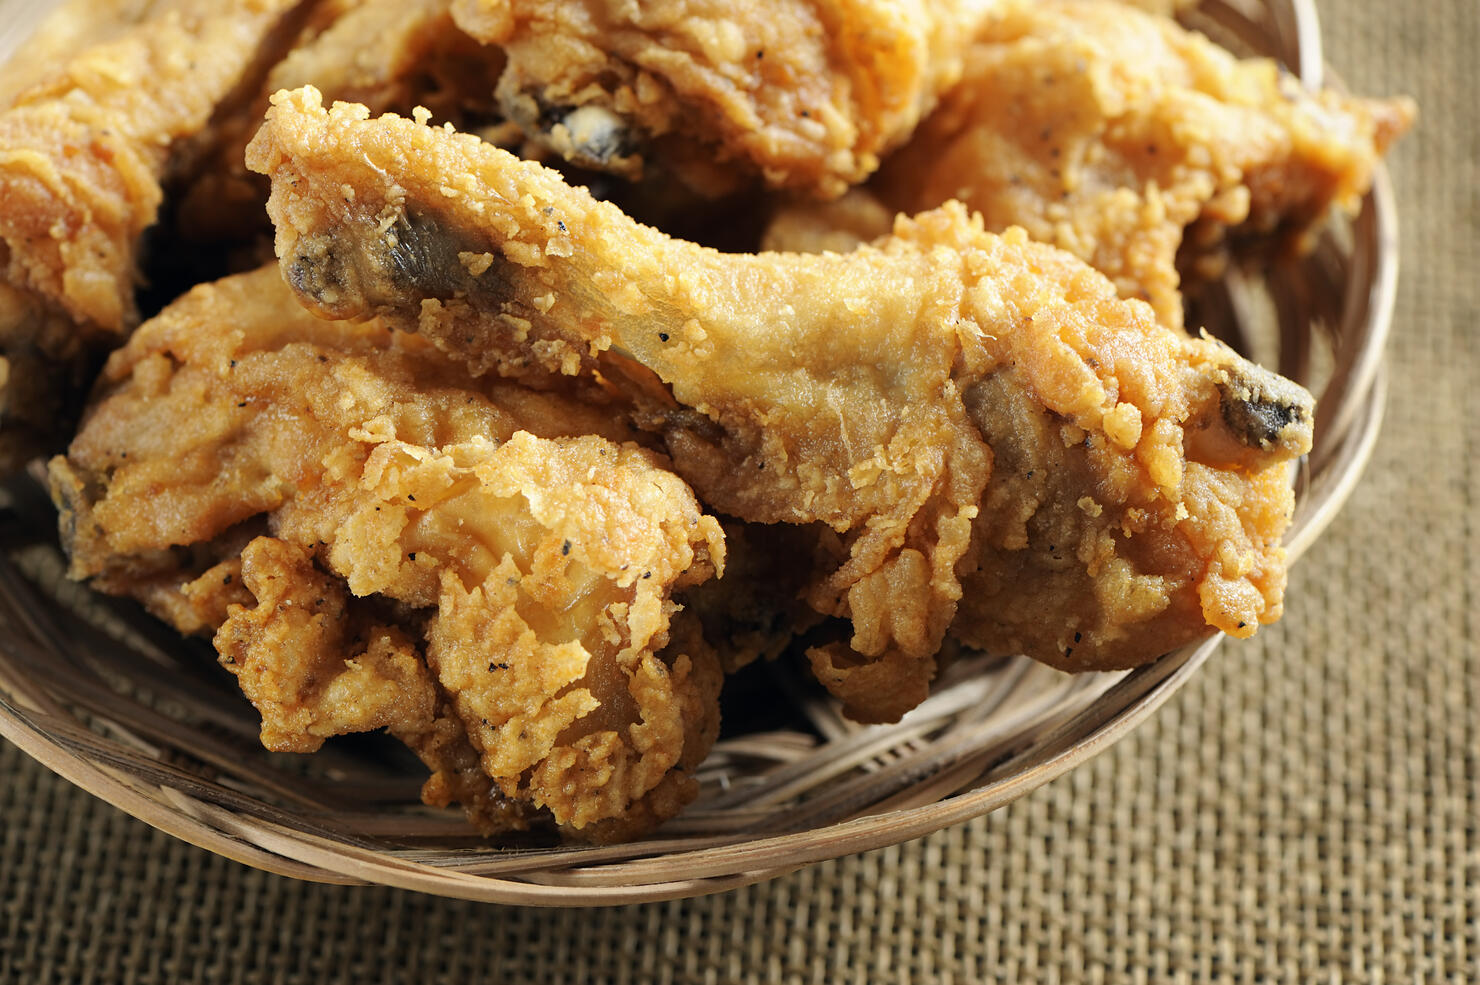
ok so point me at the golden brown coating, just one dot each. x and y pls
(64, 31)
(82, 153)
(905, 395)
(843, 224)
(317, 663)
(806, 94)
(1109, 132)
(541, 565)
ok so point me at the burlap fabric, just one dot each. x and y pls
(1307, 810)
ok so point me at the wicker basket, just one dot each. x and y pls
(118, 705)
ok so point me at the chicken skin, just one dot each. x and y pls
(996, 445)
(805, 94)
(476, 566)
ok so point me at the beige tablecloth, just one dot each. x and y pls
(1305, 811)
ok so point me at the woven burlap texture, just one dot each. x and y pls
(1304, 811)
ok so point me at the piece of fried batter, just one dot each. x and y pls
(969, 414)
(83, 150)
(1126, 139)
(427, 535)
(805, 94)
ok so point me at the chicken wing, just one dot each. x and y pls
(805, 93)
(82, 154)
(1109, 132)
(967, 413)
(530, 571)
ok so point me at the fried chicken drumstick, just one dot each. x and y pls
(424, 552)
(804, 93)
(995, 444)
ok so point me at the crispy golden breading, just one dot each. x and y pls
(530, 570)
(804, 93)
(67, 29)
(317, 663)
(966, 412)
(838, 226)
(1109, 132)
(83, 150)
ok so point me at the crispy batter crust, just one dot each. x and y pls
(543, 565)
(83, 150)
(804, 93)
(1108, 132)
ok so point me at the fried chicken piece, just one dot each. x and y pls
(532, 570)
(1122, 137)
(317, 664)
(67, 29)
(804, 94)
(387, 54)
(905, 395)
(82, 154)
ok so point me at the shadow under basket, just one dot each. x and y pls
(121, 706)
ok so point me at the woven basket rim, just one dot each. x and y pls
(1345, 440)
